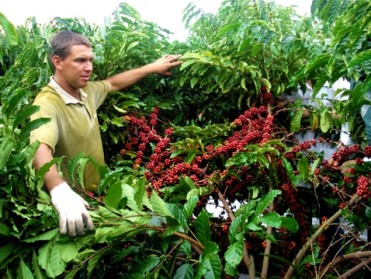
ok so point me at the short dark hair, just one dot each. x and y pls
(62, 42)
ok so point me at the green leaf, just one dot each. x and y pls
(71, 273)
(24, 155)
(25, 115)
(315, 165)
(117, 121)
(50, 259)
(234, 253)
(189, 206)
(193, 81)
(187, 63)
(6, 250)
(6, 147)
(93, 262)
(368, 212)
(32, 125)
(243, 85)
(172, 225)
(9, 29)
(24, 272)
(49, 235)
(203, 227)
(123, 253)
(69, 251)
(290, 171)
(132, 45)
(266, 201)
(185, 271)
(295, 123)
(158, 205)
(303, 166)
(319, 61)
(185, 248)
(236, 228)
(4, 230)
(114, 195)
(266, 83)
(247, 209)
(14, 101)
(189, 182)
(37, 272)
(109, 178)
(120, 110)
(3, 204)
(121, 230)
(290, 224)
(140, 192)
(313, 258)
(80, 175)
(231, 270)
(245, 45)
(360, 58)
(128, 193)
(147, 263)
(210, 249)
(271, 219)
(213, 266)
(40, 173)
(192, 193)
(325, 121)
(228, 28)
(177, 212)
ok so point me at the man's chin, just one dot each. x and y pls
(83, 83)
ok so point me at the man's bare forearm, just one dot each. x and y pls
(161, 66)
(44, 155)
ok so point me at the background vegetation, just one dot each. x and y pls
(212, 136)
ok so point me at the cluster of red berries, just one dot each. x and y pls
(297, 209)
(363, 187)
(165, 169)
(302, 147)
(342, 154)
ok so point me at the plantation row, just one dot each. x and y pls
(216, 171)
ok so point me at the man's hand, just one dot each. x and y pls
(165, 63)
(71, 208)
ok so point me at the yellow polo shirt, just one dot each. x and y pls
(74, 126)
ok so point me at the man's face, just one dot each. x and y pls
(74, 71)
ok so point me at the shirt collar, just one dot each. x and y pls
(67, 98)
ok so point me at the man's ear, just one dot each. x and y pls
(56, 60)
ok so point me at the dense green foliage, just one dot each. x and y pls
(212, 133)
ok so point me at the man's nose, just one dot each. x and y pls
(88, 66)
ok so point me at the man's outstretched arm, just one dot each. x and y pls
(71, 208)
(161, 66)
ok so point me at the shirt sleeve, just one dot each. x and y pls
(47, 133)
(97, 91)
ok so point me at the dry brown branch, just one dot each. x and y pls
(267, 250)
(197, 246)
(347, 257)
(356, 268)
(314, 237)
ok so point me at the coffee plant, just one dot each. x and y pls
(204, 178)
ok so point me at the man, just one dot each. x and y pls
(71, 101)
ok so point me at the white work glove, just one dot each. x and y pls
(71, 208)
